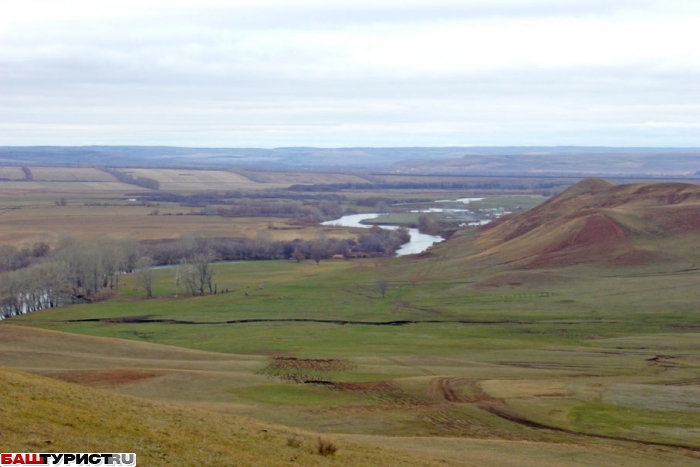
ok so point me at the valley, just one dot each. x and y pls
(566, 331)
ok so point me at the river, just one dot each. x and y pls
(419, 241)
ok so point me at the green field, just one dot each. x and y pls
(548, 364)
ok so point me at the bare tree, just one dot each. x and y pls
(319, 248)
(179, 270)
(84, 262)
(193, 243)
(317, 252)
(114, 257)
(199, 273)
(298, 255)
(145, 274)
(31, 289)
(382, 285)
(132, 252)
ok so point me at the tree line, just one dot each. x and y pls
(74, 270)
(82, 270)
(319, 212)
(503, 184)
(376, 242)
(143, 182)
(229, 197)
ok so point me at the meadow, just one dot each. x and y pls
(458, 362)
(578, 363)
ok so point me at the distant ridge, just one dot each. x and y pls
(594, 222)
(569, 161)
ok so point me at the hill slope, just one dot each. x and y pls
(44, 415)
(596, 222)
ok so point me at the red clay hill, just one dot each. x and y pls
(594, 221)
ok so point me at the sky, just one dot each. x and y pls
(267, 73)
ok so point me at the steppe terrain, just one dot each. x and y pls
(566, 334)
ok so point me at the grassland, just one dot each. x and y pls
(12, 173)
(461, 362)
(43, 415)
(577, 363)
(92, 180)
(98, 205)
(26, 223)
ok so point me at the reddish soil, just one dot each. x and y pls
(106, 377)
(597, 230)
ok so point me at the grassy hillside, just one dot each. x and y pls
(496, 358)
(43, 415)
(647, 225)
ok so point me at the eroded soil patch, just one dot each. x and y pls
(102, 378)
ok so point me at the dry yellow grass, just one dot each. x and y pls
(196, 180)
(11, 173)
(86, 180)
(42, 415)
(58, 188)
(25, 225)
(304, 178)
(509, 453)
(66, 174)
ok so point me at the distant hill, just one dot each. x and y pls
(511, 161)
(563, 161)
(592, 222)
(165, 156)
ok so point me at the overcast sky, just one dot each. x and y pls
(350, 73)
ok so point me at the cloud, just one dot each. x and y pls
(222, 73)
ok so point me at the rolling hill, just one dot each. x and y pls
(594, 222)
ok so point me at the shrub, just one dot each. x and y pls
(326, 447)
(294, 441)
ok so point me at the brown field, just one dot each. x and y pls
(85, 179)
(11, 173)
(58, 188)
(65, 174)
(28, 211)
(196, 180)
(31, 222)
(304, 178)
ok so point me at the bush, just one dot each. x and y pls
(294, 441)
(326, 447)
